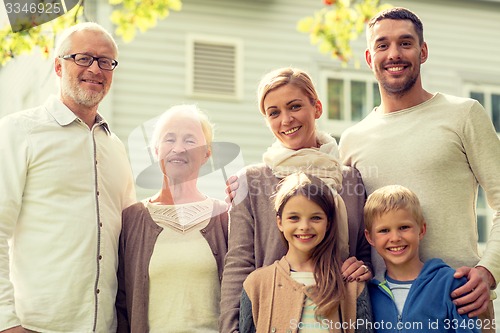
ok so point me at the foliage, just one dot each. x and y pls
(335, 26)
(128, 16)
(141, 14)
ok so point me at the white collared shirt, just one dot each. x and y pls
(63, 187)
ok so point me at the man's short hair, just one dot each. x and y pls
(64, 39)
(391, 198)
(396, 13)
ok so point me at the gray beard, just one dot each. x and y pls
(84, 98)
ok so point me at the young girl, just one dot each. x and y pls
(304, 291)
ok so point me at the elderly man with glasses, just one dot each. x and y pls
(64, 179)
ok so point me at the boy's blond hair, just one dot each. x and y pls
(391, 198)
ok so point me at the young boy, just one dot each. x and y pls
(412, 296)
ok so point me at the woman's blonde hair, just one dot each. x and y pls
(281, 77)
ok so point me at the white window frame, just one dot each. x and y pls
(336, 127)
(486, 211)
(487, 90)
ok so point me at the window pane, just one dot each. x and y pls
(495, 111)
(482, 219)
(482, 228)
(376, 96)
(481, 198)
(335, 99)
(358, 100)
(477, 96)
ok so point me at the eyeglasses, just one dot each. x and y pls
(86, 60)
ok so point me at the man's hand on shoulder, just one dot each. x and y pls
(473, 297)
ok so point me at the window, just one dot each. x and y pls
(214, 67)
(489, 97)
(350, 97)
(484, 219)
(484, 214)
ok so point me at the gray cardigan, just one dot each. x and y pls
(137, 240)
(255, 241)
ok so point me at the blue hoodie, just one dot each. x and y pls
(428, 307)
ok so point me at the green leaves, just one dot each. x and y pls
(42, 36)
(128, 17)
(333, 27)
(131, 15)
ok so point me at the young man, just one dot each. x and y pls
(65, 179)
(412, 296)
(439, 146)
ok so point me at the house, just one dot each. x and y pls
(214, 52)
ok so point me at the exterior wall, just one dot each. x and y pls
(25, 82)
(152, 73)
(152, 76)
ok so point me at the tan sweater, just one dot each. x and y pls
(277, 301)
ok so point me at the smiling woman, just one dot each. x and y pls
(172, 245)
(292, 119)
(182, 143)
(290, 105)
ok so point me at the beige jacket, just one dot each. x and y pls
(277, 301)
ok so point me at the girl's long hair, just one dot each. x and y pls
(329, 289)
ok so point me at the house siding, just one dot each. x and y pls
(463, 38)
(152, 74)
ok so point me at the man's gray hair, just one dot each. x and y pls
(64, 39)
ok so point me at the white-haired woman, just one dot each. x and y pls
(172, 245)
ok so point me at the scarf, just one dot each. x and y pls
(322, 162)
(181, 217)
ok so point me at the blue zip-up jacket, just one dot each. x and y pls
(428, 307)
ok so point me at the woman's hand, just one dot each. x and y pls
(355, 270)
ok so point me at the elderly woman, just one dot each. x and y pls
(172, 245)
(290, 105)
